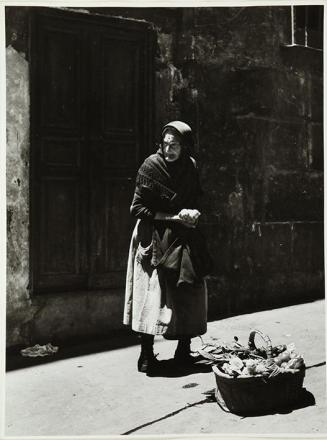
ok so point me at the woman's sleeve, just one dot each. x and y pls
(141, 206)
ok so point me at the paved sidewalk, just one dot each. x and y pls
(102, 393)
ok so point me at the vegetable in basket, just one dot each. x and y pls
(236, 360)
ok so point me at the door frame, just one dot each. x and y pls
(116, 23)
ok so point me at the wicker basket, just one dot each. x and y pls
(255, 395)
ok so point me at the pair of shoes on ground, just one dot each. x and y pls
(147, 363)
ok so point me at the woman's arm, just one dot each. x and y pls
(185, 217)
(141, 206)
(164, 216)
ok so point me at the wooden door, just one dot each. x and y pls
(91, 101)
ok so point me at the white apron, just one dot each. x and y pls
(154, 307)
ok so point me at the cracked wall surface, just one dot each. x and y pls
(18, 298)
(256, 109)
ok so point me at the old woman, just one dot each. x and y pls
(165, 293)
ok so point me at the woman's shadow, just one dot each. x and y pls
(171, 368)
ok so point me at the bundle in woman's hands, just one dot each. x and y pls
(189, 217)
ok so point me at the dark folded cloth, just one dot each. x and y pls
(182, 254)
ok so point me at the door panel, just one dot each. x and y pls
(120, 154)
(57, 153)
(119, 69)
(59, 251)
(60, 73)
(115, 154)
(58, 174)
(111, 232)
(91, 95)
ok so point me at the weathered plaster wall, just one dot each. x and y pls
(256, 108)
(19, 304)
(258, 114)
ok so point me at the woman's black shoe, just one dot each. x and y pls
(183, 353)
(146, 363)
(184, 358)
(147, 359)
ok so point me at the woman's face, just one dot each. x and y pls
(172, 147)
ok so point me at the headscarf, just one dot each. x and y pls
(177, 181)
(184, 131)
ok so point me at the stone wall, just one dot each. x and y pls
(19, 305)
(256, 108)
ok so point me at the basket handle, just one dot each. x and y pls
(266, 339)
